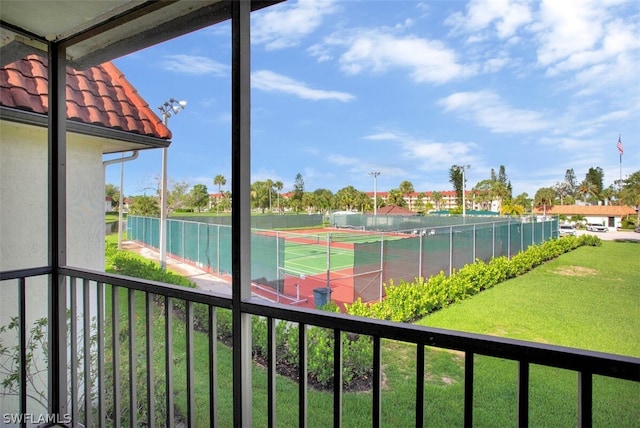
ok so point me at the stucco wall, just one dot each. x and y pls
(24, 222)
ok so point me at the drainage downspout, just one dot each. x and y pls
(122, 160)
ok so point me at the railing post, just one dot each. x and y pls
(585, 399)
(57, 191)
(241, 209)
(523, 394)
(468, 389)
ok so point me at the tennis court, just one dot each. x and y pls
(352, 263)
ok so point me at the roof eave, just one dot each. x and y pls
(40, 120)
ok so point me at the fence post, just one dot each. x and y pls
(381, 264)
(474, 242)
(278, 268)
(450, 250)
(420, 256)
(509, 240)
(218, 251)
(184, 256)
(493, 240)
(329, 264)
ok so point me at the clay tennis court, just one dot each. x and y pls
(318, 258)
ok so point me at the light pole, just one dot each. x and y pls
(168, 109)
(464, 197)
(375, 175)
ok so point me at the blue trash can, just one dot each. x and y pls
(321, 296)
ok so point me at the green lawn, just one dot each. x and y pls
(562, 302)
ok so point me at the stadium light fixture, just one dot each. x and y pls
(168, 109)
(375, 175)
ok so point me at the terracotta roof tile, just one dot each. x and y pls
(99, 95)
(594, 210)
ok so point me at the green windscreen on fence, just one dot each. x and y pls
(362, 260)
(289, 221)
(208, 246)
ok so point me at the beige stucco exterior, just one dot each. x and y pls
(24, 221)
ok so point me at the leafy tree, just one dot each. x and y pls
(346, 198)
(437, 198)
(502, 175)
(455, 177)
(363, 201)
(571, 181)
(144, 205)
(395, 197)
(177, 196)
(260, 195)
(630, 193)
(269, 184)
(114, 193)
(512, 209)
(323, 199)
(298, 191)
(523, 200)
(309, 201)
(544, 198)
(419, 205)
(278, 185)
(596, 176)
(225, 202)
(563, 190)
(588, 190)
(199, 196)
(482, 193)
(219, 181)
(406, 188)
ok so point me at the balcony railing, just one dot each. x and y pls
(107, 385)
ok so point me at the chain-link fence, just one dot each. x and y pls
(429, 251)
(351, 264)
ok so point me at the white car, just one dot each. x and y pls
(595, 227)
(567, 230)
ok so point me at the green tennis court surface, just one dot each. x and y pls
(308, 254)
(309, 259)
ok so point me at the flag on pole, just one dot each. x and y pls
(619, 146)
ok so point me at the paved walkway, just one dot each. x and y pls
(203, 280)
(220, 286)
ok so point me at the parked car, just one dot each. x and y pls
(566, 230)
(595, 227)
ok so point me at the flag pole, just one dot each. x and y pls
(620, 139)
(620, 152)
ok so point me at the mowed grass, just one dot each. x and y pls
(590, 299)
(530, 307)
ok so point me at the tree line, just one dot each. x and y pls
(266, 196)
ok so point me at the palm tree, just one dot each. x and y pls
(545, 197)
(269, 184)
(588, 188)
(437, 198)
(406, 188)
(278, 185)
(219, 181)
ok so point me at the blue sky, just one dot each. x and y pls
(406, 88)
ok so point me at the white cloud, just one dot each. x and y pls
(272, 82)
(503, 16)
(488, 110)
(191, 64)
(429, 155)
(380, 51)
(284, 25)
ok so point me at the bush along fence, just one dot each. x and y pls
(405, 302)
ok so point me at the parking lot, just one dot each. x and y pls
(614, 235)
